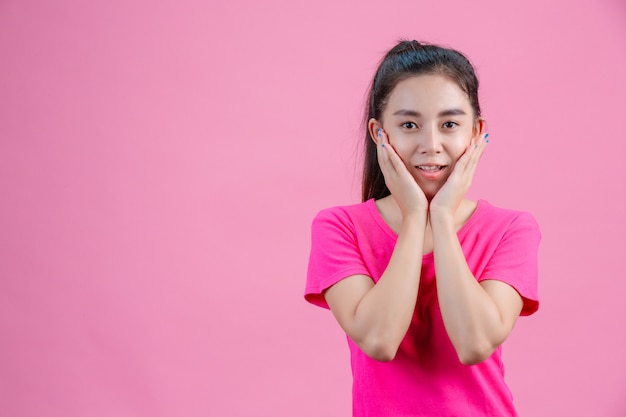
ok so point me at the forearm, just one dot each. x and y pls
(471, 317)
(383, 315)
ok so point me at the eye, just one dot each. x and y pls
(409, 125)
(449, 125)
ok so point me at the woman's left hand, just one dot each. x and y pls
(450, 195)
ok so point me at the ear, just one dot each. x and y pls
(480, 126)
(372, 126)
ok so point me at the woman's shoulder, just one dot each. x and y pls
(360, 219)
(346, 212)
(495, 216)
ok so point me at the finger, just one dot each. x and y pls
(466, 164)
(477, 152)
(383, 152)
(480, 147)
(394, 158)
(383, 155)
(460, 167)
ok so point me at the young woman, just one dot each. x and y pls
(426, 284)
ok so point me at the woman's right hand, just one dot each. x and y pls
(405, 191)
(377, 316)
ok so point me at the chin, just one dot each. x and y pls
(429, 196)
(429, 192)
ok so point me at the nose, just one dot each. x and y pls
(430, 142)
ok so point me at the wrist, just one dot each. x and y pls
(440, 217)
(415, 217)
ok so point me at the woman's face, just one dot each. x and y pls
(430, 123)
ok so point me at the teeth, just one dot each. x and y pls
(429, 168)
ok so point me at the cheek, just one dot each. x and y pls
(404, 149)
(457, 148)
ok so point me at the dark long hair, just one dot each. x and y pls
(408, 59)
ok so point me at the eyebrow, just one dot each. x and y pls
(443, 113)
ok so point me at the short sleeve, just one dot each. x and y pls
(335, 254)
(515, 260)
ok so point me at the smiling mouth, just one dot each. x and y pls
(431, 168)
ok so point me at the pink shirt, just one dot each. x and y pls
(426, 377)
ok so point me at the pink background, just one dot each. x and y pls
(160, 163)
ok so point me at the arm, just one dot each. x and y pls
(377, 316)
(478, 316)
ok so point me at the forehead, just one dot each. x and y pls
(427, 94)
